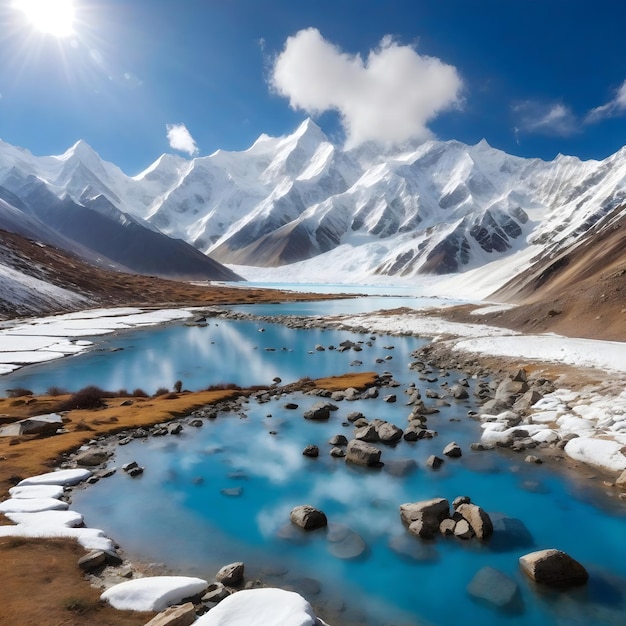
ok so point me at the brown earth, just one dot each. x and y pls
(109, 288)
(40, 581)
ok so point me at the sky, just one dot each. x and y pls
(137, 78)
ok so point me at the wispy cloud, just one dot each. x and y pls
(390, 96)
(545, 118)
(614, 107)
(180, 139)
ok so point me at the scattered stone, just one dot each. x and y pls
(453, 450)
(496, 590)
(92, 457)
(320, 411)
(179, 615)
(447, 526)
(478, 519)
(401, 467)
(175, 429)
(308, 517)
(367, 433)
(463, 530)
(92, 561)
(338, 440)
(290, 406)
(216, 592)
(533, 459)
(429, 514)
(390, 398)
(232, 492)
(361, 453)
(459, 500)
(434, 462)
(388, 433)
(196, 423)
(337, 452)
(553, 567)
(135, 471)
(231, 575)
(311, 451)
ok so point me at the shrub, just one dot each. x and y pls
(18, 392)
(139, 393)
(161, 391)
(178, 385)
(56, 391)
(90, 397)
(122, 393)
(171, 396)
(222, 387)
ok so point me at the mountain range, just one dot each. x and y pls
(437, 208)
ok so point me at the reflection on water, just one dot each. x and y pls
(223, 351)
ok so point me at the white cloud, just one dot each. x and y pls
(180, 139)
(545, 118)
(391, 96)
(612, 108)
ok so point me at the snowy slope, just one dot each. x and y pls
(437, 208)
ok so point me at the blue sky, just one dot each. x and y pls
(134, 77)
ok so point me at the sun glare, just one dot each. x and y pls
(53, 17)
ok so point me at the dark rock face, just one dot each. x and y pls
(553, 567)
(308, 517)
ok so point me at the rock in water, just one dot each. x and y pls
(478, 519)
(230, 574)
(495, 589)
(553, 567)
(361, 453)
(308, 517)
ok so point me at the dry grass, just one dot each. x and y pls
(40, 582)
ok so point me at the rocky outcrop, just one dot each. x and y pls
(423, 518)
(231, 575)
(179, 615)
(478, 519)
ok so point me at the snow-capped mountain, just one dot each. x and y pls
(434, 208)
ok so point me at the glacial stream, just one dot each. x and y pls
(223, 492)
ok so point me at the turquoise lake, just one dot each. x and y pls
(178, 513)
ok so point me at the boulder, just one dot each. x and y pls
(338, 440)
(495, 589)
(338, 453)
(92, 561)
(478, 519)
(311, 451)
(366, 433)
(179, 615)
(216, 592)
(453, 450)
(447, 526)
(553, 567)
(434, 462)
(389, 433)
(428, 513)
(459, 500)
(308, 517)
(459, 392)
(39, 425)
(92, 457)
(320, 411)
(231, 574)
(360, 453)
(463, 530)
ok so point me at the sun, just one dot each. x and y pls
(52, 17)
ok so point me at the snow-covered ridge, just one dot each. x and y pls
(434, 208)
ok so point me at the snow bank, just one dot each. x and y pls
(47, 519)
(32, 505)
(154, 593)
(261, 607)
(61, 477)
(36, 491)
(89, 538)
(600, 452)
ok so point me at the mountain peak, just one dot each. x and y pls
(310, 129)
(82, 151)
